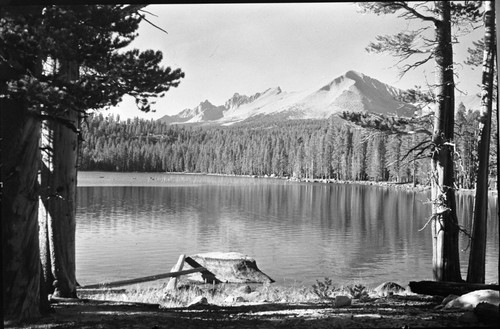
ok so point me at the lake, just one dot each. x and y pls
(137, 224)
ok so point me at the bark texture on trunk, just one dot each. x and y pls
(19, 140)
(445, 256)
(58, 196)
(477, 260)
(58, 209)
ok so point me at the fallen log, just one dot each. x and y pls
(206, 276)
(143, 279)
(56, 300)
(172, 284)
(101, 290)
(444, 289)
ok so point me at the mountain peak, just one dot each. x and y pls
(274, 91)
(236, 100)
(206, 103)
(352, 91)
(355, 75)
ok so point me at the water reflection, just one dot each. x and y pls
(296, 231)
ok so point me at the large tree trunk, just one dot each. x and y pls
(447, 288)
(497, 14)
(58, 196)
(19, 138)
(477, 258)
(445, 257)
(57, 209)
(19, 164)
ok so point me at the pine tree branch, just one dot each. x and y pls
(409, 67)
(130, 9)
(418, 147)
(135, 9)
(147, 20)
(414, 12)
(389, 125)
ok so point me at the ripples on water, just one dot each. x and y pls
(297, 232)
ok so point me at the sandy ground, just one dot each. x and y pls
(395, 311)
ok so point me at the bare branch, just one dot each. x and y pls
(401, 44)
(135, 9)
(147, 20)
(130, 9)
(418, 147)
(409, 67)
(148, 12)
(414, 12)
(427, 223)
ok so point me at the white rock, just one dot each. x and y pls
(470, 300)
(229, 300)
(244, 289)
(200, 300)
(253, 296)
(239, 299)
(388, 288)
(234, 299)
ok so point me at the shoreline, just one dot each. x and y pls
(112, 178)
(217, 307)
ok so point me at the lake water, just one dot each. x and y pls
(137, 224)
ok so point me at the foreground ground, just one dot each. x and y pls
(396, 311)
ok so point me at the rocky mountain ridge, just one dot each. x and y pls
(352, 91)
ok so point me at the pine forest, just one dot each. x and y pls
(302, 149)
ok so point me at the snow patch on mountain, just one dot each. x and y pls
(352, 91)
(204, 112)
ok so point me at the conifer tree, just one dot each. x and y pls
(476, 269)
(408, 44)
(61, 61)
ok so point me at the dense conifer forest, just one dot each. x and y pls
(313, 149)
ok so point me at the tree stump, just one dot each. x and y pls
(229, 267)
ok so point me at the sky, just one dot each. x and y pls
(247, 48)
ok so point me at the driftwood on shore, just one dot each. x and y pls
(444, 289)
(55, 300)
(172, 284)
(206, 276)
(215, 267)
(143, 279)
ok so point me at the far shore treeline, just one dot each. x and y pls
(317, 149)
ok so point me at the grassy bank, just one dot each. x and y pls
(230, 294)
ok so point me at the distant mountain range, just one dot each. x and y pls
(352, 91)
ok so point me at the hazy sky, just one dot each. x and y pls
(247, 48)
